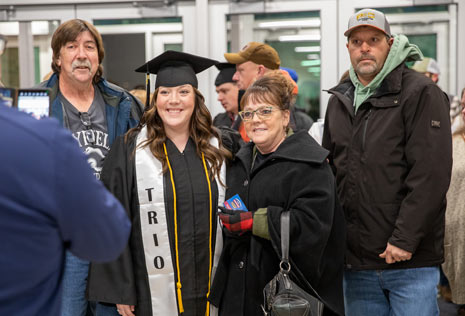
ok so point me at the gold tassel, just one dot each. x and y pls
(181, 307)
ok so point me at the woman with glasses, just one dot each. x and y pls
(454, 238)
(168, 173)
(278, 171)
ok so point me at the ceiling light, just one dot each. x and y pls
(307, 49)
(290, 24)
(310, 63)
(300, 38)
(313, 56)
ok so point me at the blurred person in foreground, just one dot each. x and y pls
(96, 112)
(49, 203)
(387, 128)
(277, 171)
(169, 173)
(454, 239)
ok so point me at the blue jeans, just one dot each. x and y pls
(73, 302)
(105, 310)
(398, 292)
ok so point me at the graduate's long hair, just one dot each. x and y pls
(201, 130)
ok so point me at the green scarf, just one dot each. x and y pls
(401, 50)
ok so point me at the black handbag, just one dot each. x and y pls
(282, 297)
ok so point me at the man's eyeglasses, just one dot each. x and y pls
(89, 134)
(263, 113)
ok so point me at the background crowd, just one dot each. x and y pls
(376, 211)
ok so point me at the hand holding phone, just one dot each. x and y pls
(34, 101)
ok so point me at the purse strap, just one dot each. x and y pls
(285, 227)
(285, 265)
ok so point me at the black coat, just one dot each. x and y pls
(392, 161)
(222, 119)
(295, 177)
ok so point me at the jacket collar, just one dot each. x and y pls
(299, 147)
(111, 93)
(390, 87)
(392, 83)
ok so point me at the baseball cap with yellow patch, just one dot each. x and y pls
(259, 53)
(426, 65)
(369, 17)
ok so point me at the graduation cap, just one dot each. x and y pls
(226, 73)
(174, 69)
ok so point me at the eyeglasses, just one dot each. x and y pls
(263, 113)
(89, 134)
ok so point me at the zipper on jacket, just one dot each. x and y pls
(115, 123)
(365, 126)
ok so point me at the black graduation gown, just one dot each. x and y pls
(125, 280)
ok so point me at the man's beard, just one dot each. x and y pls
(370, 69)
(367, 68)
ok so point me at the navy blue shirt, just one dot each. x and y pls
(49, 201)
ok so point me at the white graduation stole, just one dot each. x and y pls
(154, 227)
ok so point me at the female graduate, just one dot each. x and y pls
(167, 172)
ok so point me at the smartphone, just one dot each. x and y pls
(8, 96)
(34, 101)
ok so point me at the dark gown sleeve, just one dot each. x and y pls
(114, 282)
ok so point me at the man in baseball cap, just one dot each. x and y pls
(387, 129)
(252, 62)
(369, 17)
(429, 67)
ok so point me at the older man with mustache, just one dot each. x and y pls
(95, 111)
(388, 132)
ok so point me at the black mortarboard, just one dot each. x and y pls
(175, 68)
(226, 73)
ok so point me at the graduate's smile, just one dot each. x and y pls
(174, 111)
